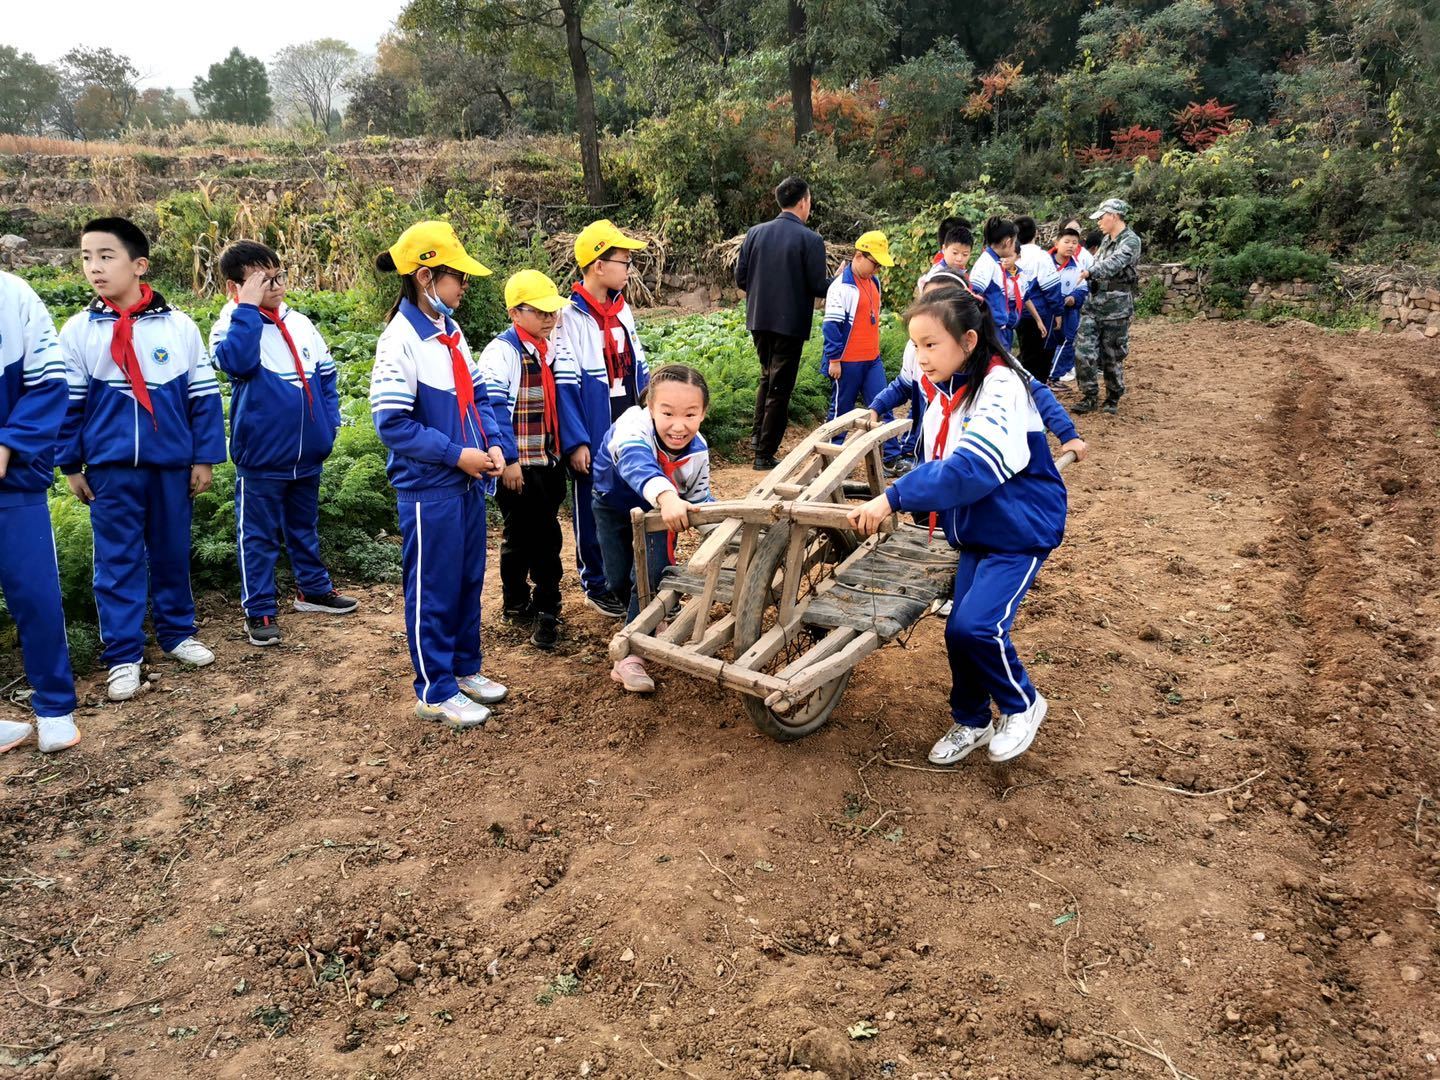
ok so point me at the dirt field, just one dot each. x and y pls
(1223, 850)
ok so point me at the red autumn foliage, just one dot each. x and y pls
(1127, 144)
(1200, 125)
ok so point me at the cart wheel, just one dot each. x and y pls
(757, 609)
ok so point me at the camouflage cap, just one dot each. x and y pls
(1112, 206)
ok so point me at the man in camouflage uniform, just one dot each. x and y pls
(1104, 335)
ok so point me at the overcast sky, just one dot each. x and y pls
(172, 42)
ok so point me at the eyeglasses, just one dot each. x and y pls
(276, 280)
(627, 263)
(464, 279)
(528, 310)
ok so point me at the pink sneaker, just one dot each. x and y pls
(631, 674)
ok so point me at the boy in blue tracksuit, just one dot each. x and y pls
(143, 430)
(1073, 290)
(33, 398)
(432, 411)
(989, 281)
(600, 371)
(284, 412)
(850, 352)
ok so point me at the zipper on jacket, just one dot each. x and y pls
(135, 407)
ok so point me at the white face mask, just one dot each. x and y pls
(442, 309)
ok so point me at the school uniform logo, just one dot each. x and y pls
(305, 351)
(161, 356)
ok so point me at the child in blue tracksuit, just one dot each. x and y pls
(143, 430)
(850, 353)
(990, 482)
(652, 457)
(911, 383)
(990, 282)
(956, 243)
(1041, 298)
(519, 369)
(600, 372)
(284, 412)
(1073, 291)
(33, 397)
(432, 411)
(906, 385)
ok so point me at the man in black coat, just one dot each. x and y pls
(781, 270)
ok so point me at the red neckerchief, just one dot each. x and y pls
(272, 315)
(948, 403)
(551, 415)
(669, 466)
(607, 317)
(464, 385)
(939, 258)
(1007, 277)
(1060, 266)
(122, 349)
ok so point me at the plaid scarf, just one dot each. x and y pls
(536, 420)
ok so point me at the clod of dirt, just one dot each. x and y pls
(1392, 485)
(1382, 940)
(827, 1051)
(390, 926)
(1299, 810)
(1149, 632)
(803, 1074)
(81, 1063)
(380, 983)
(1048, 1019)
(399, 961)
(1077, 1051)
(1409, 973)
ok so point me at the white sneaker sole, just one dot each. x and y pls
(424, 712)
(305, 607)
(1010, 755)
(16, 742)
(593, 606)
(946, 763)
(489, 697)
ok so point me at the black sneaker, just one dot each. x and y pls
(607, 604)
(547, 631)
(522, 614)
(1086, 405)
(765, 464)
(332, 603)
(1111, 406)
(262, 630)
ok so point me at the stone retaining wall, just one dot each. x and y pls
(1411, 307)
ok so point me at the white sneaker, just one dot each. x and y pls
(13, 733)
(1016, 732)
(1068, 377)
(958, 742)
(191, 652)
(480, 689)
(459, 712)
(943, 608)
(123, 682)
(57, 733)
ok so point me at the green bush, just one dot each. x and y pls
(1231, 275)
(1151, 300)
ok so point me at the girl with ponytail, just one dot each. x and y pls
(988, 478)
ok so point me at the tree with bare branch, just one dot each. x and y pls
(308, 79)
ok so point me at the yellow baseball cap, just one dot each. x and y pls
(875, 245)
(533, 289)
(433, 243)
(599, 237)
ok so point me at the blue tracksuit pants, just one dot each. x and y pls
(443, 551)
(266, 510)
(30, 580)
(1063, 344)
(141, 521)
(589, 557)
(989, 586)
(860, 382)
